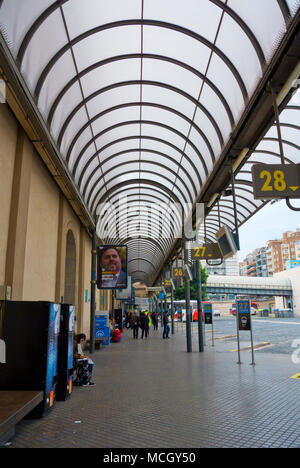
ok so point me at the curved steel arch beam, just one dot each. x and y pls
(282, 3)
(231, 223)
(138, 104)
(286, 142)
(284, 10)
(271, 153)
(138, 193)
(143, 56)
(141, 22)
(126, 163)
(212, 225)
(143, 260)
(145, 122)
(230, 212)
(142, 232)
(35, 26)
(120, 140)
(147, 249)
(107, 220)
(249, 33)
(121, 224)
(150, 182)
(145, 203)
(152, 252)
(250, 192)
(150, 241)
(238, 204)
(289, 125)
(143, 150)
(158, 84)
(247, 200)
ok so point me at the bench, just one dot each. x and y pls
(14, 406)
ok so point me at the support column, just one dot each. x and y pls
(187, 300)
(93, 293)
(16, 245)
(199, 307)
(81, 285)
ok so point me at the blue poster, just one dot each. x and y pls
(102, 330)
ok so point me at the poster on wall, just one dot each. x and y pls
(112, 267)
(125, 293)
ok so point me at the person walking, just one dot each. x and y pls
(166, 326)
(135, 326)
(154, 317)
(144, 323)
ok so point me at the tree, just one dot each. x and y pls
(179, 293)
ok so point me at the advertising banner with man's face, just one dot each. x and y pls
(112, 267)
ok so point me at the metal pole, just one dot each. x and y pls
(172, 308)
(187, 299)
(199, 307)
(93, 293)
(238, 332)
(252, 344)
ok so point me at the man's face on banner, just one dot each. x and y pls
(111, 261)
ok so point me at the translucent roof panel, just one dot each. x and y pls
(141, 96)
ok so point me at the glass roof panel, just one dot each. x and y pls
(43, 47)
(173, 75)
(105, 44)
(97, 12)
(17, 17)
(171, 43)
(258, 19)
(202, 18)
(244, 57)
(105, 75)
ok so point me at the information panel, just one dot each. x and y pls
(178, 272)
(244, 314)
(276, 181)
(206, 252)
(208, 314)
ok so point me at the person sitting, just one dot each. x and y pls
(83, 360)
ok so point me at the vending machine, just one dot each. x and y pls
(30, 332)
(65, 352)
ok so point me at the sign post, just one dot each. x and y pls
(244, 323)
(208, 319)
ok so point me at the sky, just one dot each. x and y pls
(268, 224)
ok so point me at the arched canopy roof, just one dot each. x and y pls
(142, 96)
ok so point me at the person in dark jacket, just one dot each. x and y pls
(166, 326)
(154, 317)
(144, 324)
(135, 326)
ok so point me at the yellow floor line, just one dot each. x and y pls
(296, 376)
(259, 346)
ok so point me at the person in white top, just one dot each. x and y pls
(79, 354)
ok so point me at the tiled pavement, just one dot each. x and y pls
(152, 394)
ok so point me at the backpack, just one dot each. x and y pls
(82, 372)
(116, 336)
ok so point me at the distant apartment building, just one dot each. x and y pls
(255, 264)
(279, 255)
(284, 254)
